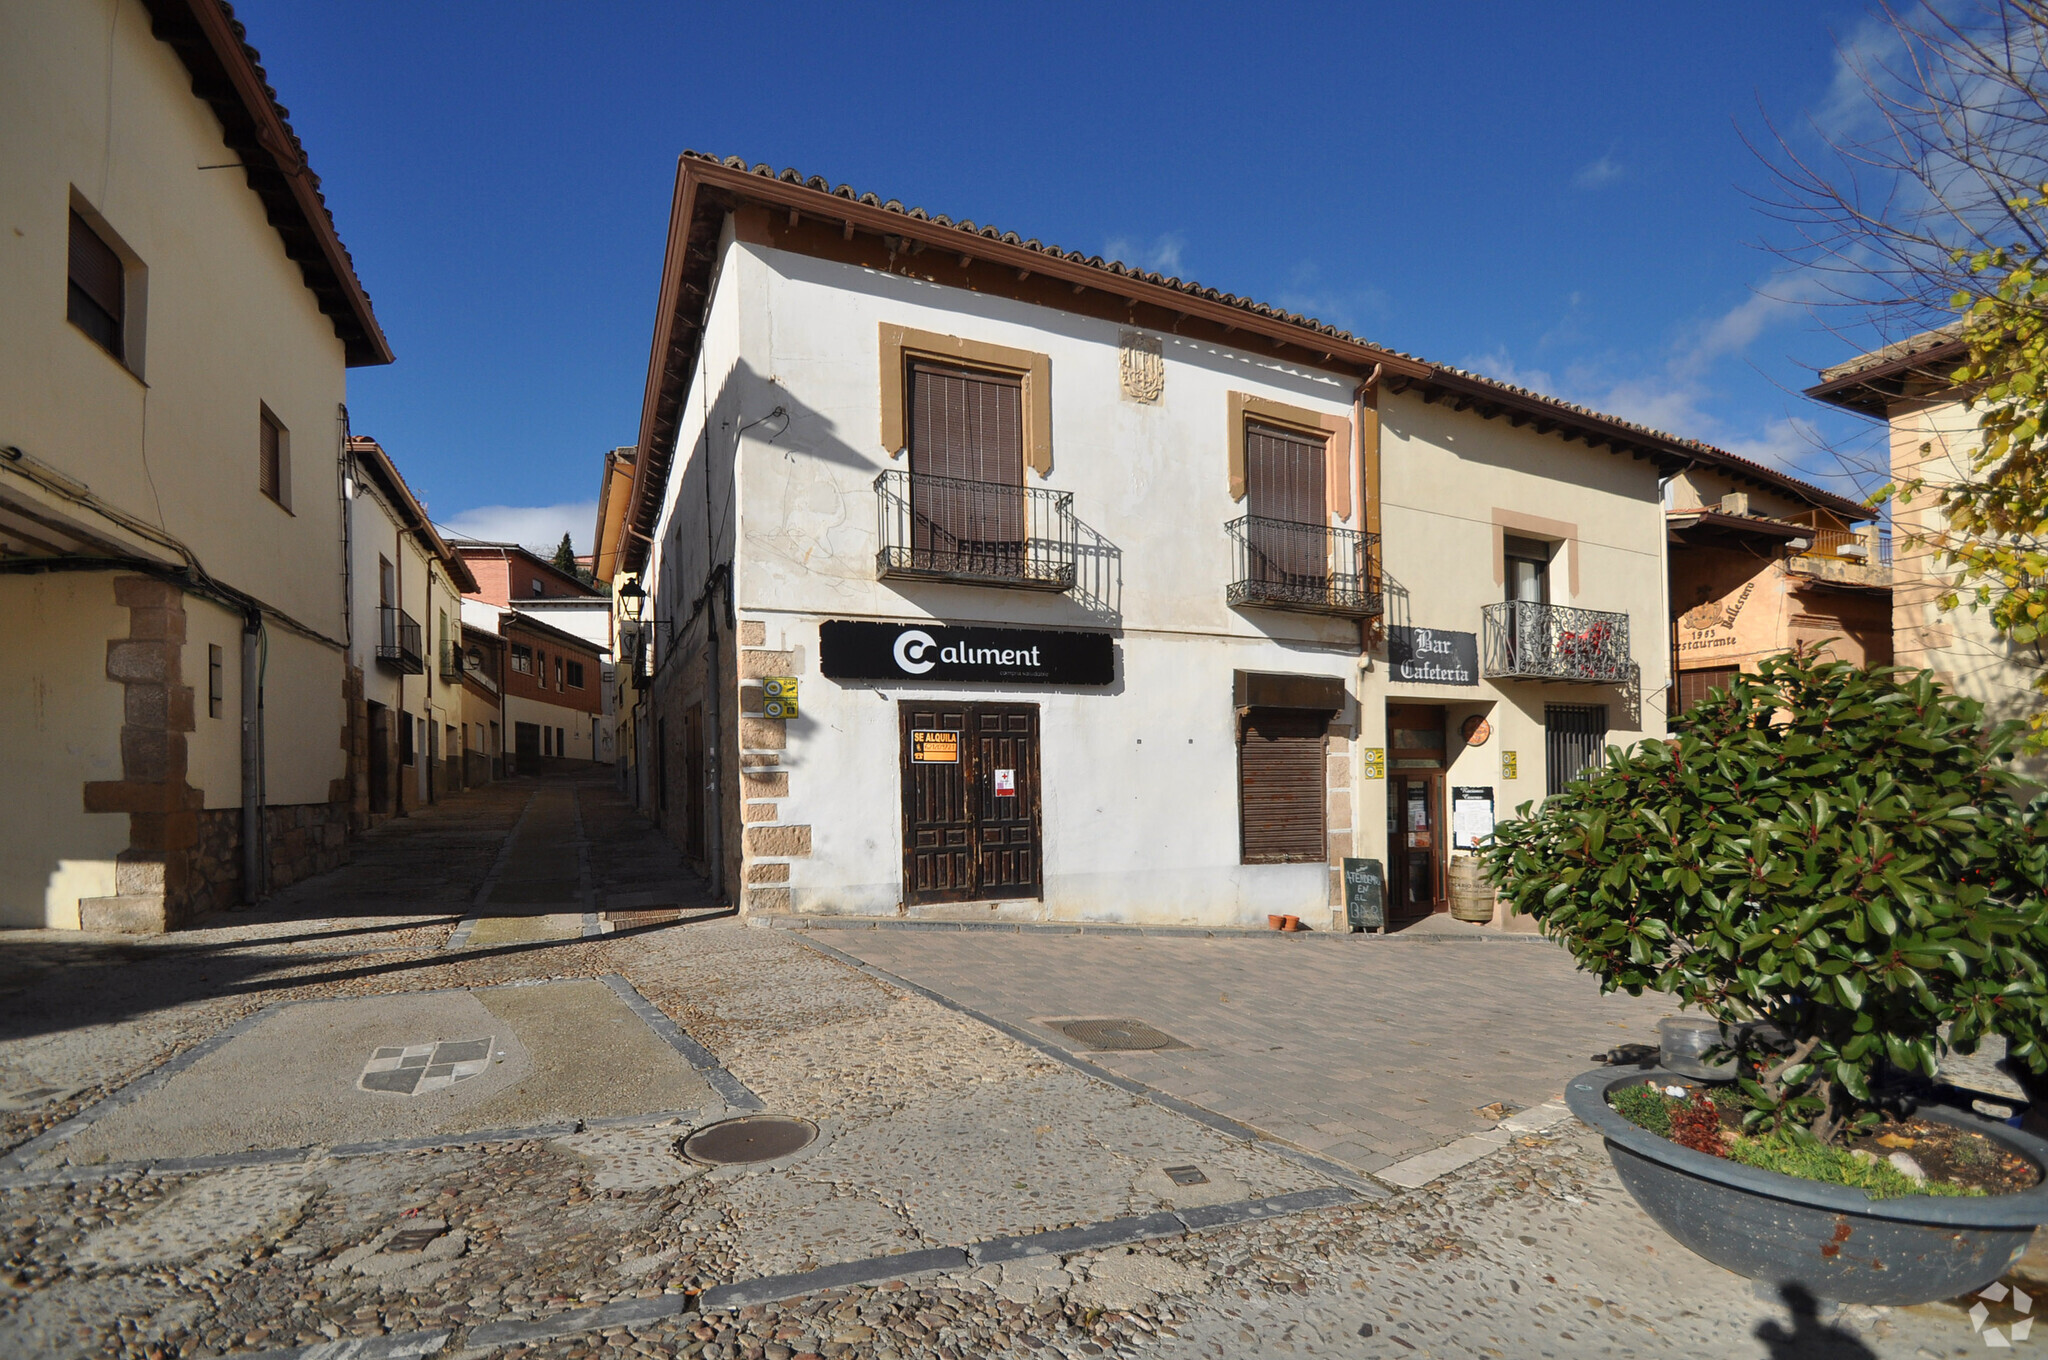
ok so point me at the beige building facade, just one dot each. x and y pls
(1932, 435)
(176, 692)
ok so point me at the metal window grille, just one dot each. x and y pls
(1574, 741)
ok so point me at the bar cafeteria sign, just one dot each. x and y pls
(925, 651)
(1431, 656)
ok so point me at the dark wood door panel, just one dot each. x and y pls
(962, 837)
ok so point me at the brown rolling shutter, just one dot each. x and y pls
(96, 295)
(966, 427)
(1694, 686)
(1285, 496)
(1280, 786)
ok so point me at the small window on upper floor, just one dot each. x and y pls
(575, 675)
(97, 300)
(538, 588)
(273, 457)
(522, 658)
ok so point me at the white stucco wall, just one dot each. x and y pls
(60, 728)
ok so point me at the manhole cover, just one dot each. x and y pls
(417, 1069)
(1186, 1175)
(756, 1138)
(1116, 1035)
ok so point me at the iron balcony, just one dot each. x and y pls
(1308, 568)
(976, 533)
(398, 641)
(1526, 641)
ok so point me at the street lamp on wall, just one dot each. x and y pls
(632, 599)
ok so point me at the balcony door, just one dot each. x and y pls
(966, 471)
(1285, 493)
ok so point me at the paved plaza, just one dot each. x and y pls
(432, 1104)
(1367, 1050)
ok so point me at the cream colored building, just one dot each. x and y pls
(1932, 436)
(174, 702)
(405, 645)
(1102, 596)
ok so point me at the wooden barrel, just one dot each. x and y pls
(1471, 894)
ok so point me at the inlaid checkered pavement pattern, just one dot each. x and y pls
(416, 1069)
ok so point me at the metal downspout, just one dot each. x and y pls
(254, 856)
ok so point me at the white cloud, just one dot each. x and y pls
(1674, 395)
(539, 527)
(1162, 256)
(1594, 174)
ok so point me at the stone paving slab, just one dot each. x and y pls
(1366, 1052)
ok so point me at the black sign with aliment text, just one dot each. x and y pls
(937, 653)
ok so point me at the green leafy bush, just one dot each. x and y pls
(1839, 851)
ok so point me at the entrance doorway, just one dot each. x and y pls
(380, 758)
(970, 802)
(526, 747)
(1416, 842)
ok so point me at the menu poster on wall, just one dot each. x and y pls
(1471, 815)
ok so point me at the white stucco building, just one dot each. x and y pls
(1104, 596)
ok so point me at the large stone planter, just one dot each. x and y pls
(1833, 1239)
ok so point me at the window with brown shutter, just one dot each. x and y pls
(1280, 786)
(966, 470)
(1286, 495)
(1694, 686)
(273, 458)
(97, 297)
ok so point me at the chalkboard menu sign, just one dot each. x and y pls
(1365, 894)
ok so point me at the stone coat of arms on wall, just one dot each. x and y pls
(1141, 366)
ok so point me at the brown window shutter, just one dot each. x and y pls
(96, 295)
(1694, 686)
(1280, 786)
(966, 470)
(1284, 475)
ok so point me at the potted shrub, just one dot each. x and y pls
(1838, 858)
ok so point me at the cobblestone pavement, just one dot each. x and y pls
(1364, 1049)
(934, 1131)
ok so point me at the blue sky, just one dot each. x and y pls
(1556, 194)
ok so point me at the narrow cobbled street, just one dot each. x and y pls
(434, 1102)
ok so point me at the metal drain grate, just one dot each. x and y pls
(755, 1138)
(1186, 1175)
(1116, 1036)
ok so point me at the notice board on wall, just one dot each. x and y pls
(1471, 815)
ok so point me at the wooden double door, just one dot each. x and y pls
(970, 802)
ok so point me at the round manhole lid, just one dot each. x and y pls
(753, 1138)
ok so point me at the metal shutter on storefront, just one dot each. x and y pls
(1280, 786)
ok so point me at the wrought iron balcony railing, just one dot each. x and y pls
(1309, 568)
(398, 641)
(1525, 641)
(976, 533)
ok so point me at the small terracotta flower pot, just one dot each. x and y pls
(1290, 923)
(1277, 922)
